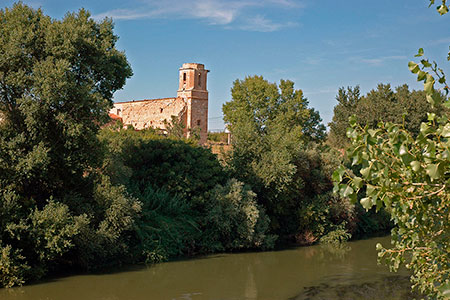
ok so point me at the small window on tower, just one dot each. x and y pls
(118, 111)
(198, 122)
(184, 76)
(161, 110)
(200, 80)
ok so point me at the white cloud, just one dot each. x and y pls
(440, 41)
(262, 24)
(234, 14)
(380, 60)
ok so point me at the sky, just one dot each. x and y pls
(320, 45)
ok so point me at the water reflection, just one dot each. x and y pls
(300, 273)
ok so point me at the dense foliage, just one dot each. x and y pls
(409, 175)
(400, 106)
(276, 149)
(57, 78)
(189, 204)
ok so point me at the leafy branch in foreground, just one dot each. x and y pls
(410, 176)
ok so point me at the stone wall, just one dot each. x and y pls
(150, 113)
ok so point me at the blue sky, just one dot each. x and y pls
(320, 45)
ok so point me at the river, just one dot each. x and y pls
(315, 272)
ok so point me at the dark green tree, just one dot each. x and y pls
(348, 100)
(382, 104)
(273, 132)
(57, 78)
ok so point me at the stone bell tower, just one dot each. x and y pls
(192, 90)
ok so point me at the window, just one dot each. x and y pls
(184, 77)
(200, 80)
(161, 110)
(198, 122)
(118, 111)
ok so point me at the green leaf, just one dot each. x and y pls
(419, 53)
(446, 131)
(366, 203)
(425, 63)
(365, 172)
(424, 128)
(357, 182)
(421, 75)
(337, 177)
(373, 132)
(371, 190)
(351, 133)
(347, 191)
(431, 116)
(415, 165)
(430, 99)
(413, 67)
(403, 150)
(433, 171)
(353, 197)
(335, 188)
(352, 120)
(442, 9)
(428, 85)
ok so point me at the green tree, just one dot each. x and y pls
(384, 104)
(274, 132)
(409, 175)
(57, 78)
(348, 100)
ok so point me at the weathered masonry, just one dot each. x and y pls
(190, 106)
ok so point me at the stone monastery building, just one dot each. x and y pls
(190, 106)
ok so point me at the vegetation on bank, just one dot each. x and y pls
(74, 195)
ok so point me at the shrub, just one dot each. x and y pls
(104, 235)
(234, 221)
(13, 266)
(337, 236)
(165, 228)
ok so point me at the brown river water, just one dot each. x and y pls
(314, 272)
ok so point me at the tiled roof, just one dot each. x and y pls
(115, 117)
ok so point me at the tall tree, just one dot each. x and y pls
(57, 78)
(348, 100)
(272, 127)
